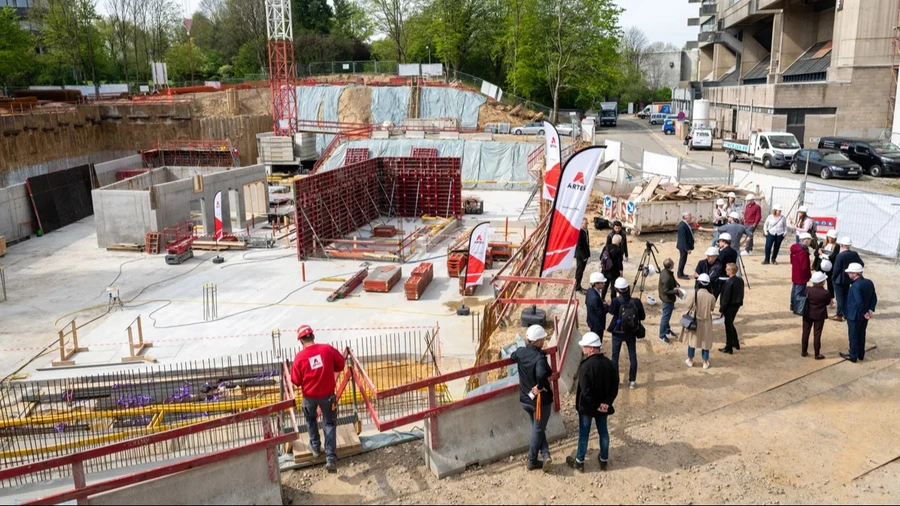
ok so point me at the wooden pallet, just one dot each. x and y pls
(125, 247)
(347, 444)
(151, 243)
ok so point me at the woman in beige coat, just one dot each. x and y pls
(702, 305)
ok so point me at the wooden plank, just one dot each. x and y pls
(222, 246)
(125, 247)
(347, 444)
(650, 188)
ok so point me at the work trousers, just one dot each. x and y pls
(682, 261)
(816, 326)
(584, 435)
(857, 333)
(749, 230)
(840, 293)
(631, 343)
(664, 327)
(580, 264)
(731, 335)
(773, 244)
(538, 431)
(327, 405)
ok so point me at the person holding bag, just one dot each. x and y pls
(626, 327)
(815, 314)
(702, 305)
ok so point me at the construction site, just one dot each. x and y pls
(159, 252)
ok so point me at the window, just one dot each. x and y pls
(862, 150)
(836, 157)
(763, 143)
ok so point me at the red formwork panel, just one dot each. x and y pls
(356, 155)
(423, 152)
(382, 279)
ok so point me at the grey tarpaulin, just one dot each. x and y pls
(450, 103)
(480, 160)
(319, 103)
(390, 103)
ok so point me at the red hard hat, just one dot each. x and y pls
(303, 331)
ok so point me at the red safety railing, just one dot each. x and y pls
(81, 491)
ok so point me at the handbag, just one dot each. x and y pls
(801, 304)
(641, 331)
(688, 320)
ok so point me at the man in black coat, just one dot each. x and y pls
(730, 302)
(712, 268)
(841, 279)
(582, 254)
(598, 386)
(620, 231)
(621, 305)
(535, 393)
(685, 243)
(596, 308)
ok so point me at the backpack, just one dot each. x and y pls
(606, 263)
(628, 315)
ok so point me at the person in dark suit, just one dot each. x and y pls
(730, 303)
(817, 301)
(614, 251)
(712, 268)
(685, 243)
(620, 231)
(582, 254)
(840, 277)
(596, 308)
(860, 308)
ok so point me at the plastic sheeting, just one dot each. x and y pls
(311, 100)
(450, 103)
(505, 162)
(390, 103)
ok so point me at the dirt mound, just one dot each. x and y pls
(253, 101)
(355, 105)
(496, 112)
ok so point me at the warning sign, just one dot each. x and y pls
(824, 224)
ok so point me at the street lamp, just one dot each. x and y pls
(429, 54)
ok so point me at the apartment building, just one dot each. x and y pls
(810, 67)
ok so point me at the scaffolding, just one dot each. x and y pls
(191, 153)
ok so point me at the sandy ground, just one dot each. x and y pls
(761, 426)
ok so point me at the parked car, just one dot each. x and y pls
(657, 118)
(533, 128)
(566, 129)
(827, 163)
(878, 158)
(669, 127)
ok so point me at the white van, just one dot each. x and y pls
(658, 118)
(701, 138)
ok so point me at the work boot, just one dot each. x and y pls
(547, 463)
(532, 466)
(316, 452)
(574, 464)
(603, 463)
(330, 467)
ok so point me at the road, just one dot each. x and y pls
(709, 167)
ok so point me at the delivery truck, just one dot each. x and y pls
(656, 108)
(609, 113)
(772, 149)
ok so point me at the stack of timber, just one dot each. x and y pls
(348, 286)
(656, 191)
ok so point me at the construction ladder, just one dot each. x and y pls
(151, 243)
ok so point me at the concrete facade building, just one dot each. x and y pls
(668, 69)
(810, 67)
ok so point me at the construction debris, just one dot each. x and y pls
(656, 191)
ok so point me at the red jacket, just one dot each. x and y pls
(800, 271)
(752, 214)
(314, 369)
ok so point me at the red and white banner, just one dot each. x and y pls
(575, 185)
(477, 250)
(552, 158)
(218, 210)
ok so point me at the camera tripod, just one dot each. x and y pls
(644, 268)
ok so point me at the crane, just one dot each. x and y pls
(281, 67)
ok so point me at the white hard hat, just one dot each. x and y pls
(651, 300)
(803, 209)
(703, 279)
(590, 339)
(818, 277)
(777, 207)
(731, 195)
(651, 270)
(725, 237)
(720, 202)
(712, 252)
(750, 197)
(826, 265)
(535, 333)
(845, 241)
(621, 284)
(804, 236)
(734, 214)
(855, 268)
(832, 233)
(597, 278)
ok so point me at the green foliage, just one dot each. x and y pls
(351, 20)
(246, 62)
(71, 36)
(311, 16)
(662, 95)
(17, 54)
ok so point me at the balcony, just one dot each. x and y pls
(771, 4)
(709, 10)
(693, 22)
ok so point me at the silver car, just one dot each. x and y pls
(533, 128)
(565, 129)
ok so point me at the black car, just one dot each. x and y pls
(827, 163)
(878, 158)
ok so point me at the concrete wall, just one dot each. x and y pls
(483, 433)
(106, 171)
(10, 176)
(122, 216)
(15, 213)
(239, 480)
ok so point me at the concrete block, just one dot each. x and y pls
(483, 136)
(415, 134)
(483, 433)
(239, 480)
(568, 375)
(381, 134)
(449, 135)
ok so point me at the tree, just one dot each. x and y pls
(16, 48)
(390, 18)
(71, 36)
(454, 25)
(634, 45)
(313, 16)
(351, 20)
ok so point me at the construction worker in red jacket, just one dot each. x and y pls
(801, 272)
(315, 371)
(752, 217)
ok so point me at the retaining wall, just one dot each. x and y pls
(15, 213)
